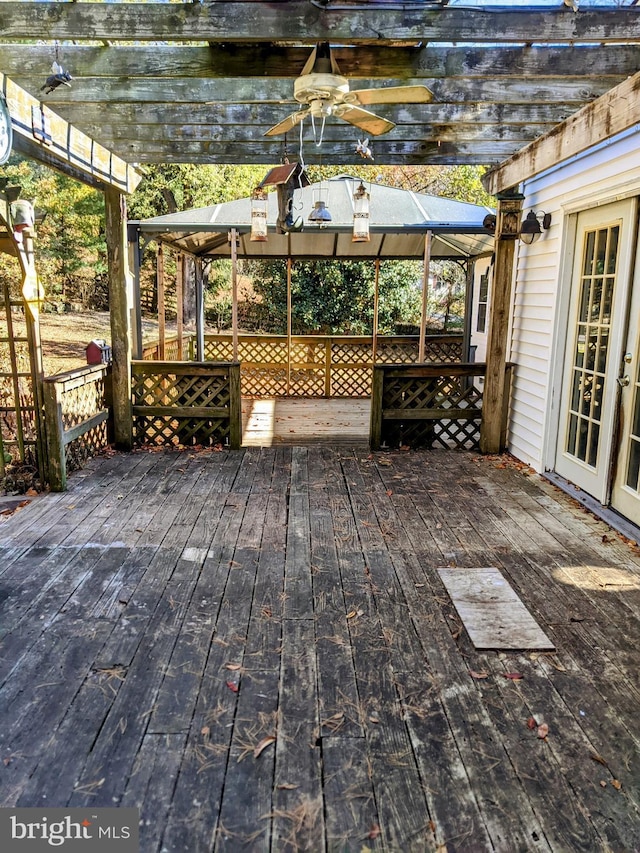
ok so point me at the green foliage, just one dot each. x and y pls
(168, 188)
(70, 242)
(336, 297)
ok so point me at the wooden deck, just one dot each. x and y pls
(271, 421)
(255, 648)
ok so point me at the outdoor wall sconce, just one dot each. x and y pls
(361, 215)
(533, 226)
(259, 216)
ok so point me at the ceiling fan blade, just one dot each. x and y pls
(287, 124)
(369, 122)
(391, 95)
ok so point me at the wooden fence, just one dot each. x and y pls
(312, 365)
(152, 351)
(77, 411)
(186, 403)
(428, 405)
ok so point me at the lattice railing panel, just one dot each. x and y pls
(263, 352)
(427, 406)
(216, 349)
(264, 381)
(168, 389)
(345, 353)
(186, 404)
(397, 353)
(82, 402)
(351, 382)
(165, 430)
(307, 383)
(79, 451)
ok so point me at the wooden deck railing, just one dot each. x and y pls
(310, 365)
(152, 350)
(186, 403)
(77, 411)
(427, 405)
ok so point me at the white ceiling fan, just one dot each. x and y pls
(326, 92)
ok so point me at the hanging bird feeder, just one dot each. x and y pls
(361, 215)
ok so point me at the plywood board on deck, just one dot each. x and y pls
(491, 611)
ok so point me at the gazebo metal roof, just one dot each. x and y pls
(399, 220)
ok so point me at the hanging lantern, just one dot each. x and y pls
(320, 214)
(258, 216)
(361, 215)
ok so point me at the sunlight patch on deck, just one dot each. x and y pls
(491, 611)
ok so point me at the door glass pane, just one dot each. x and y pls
(633, 465)
(591, 337)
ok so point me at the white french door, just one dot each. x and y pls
(625, 495)
(596, 338)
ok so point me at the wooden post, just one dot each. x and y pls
(376, 297)
(233, 236)
(235, 408)
(199, 310)
(425, 293)
(493, 402)
(289, 326)
(179, 305)
(136, 326)
(468, 311)
(375, 426)
(57, 467)
(162, 310)
(119, 307)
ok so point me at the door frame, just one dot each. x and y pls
(554, 430)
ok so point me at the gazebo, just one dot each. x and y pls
(402, 225)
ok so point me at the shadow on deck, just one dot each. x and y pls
(255, 648)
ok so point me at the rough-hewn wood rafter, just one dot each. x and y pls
(371, 61)
(613, 113)
(237, 21)
(202, 82)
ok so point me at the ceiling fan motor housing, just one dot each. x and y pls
(320, 87)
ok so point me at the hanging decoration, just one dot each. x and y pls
(361, 215)
(364, 149)
(320, 214)
(259, 203)
(287, 179)
(59, 76)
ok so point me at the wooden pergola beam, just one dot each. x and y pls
(67, 148)
(275, 60)
(237, 115)
(386, 151)
(613, 113)
(217, 90)
(241, 21)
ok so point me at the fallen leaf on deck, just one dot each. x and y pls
(374, 832)
(432, 826)
(595, 757)
(31, 493)
(232, 686)
(405, 447)
(531, 723)
(514, 676)
(616, 784)
(264, 743)
(481, 674)
(351, 614)
(603, 784)
(373, 719)
(205, 730)
(389, 492)
(286, 786)
(543, 731)
(233, 666)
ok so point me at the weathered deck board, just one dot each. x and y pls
(171, 611)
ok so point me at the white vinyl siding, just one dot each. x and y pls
(597, 177)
